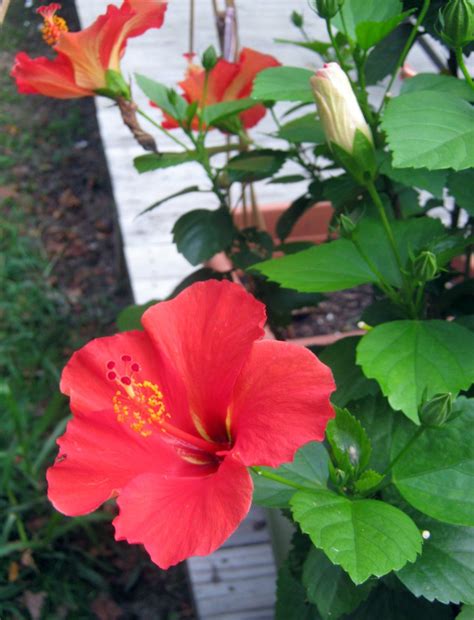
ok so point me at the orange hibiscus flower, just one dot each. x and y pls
(84, 58)
(227, 81)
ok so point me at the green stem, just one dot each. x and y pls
(386, 288)
(407, 288)
(276, 478)
(337, 50)
(462, 66)
(363, 97)
(162, 129)
(394, 461)
(386, 224)
(407, 47)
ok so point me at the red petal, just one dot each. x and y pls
(99, 47)
(98, 456)
(84, 378)
(250, 64)
(53, 78)
(253, 116)
(176, 518)
(280, 402)
(207, 333)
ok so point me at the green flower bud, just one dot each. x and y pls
(209, 58)
(297, 19)
(436, 412)
(327, 9)
(425, 267)
(347, 226)
(457, 23)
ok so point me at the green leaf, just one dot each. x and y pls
(329, 267)
(356, 12)
(390, 604)
(287, 178)
(214, 114)
(467, 613)
(254, 165)
(349, 442)
(350, 380)
(309, 468)
(432, 181)
(383, 59)
(368, 481)
(439, 83)
(414, 360)
(330, 588)
(366, 537)
(291, 598)
(338, 264)
(281, 302)
(283, 84)
(435, 474)
(460, 185)
(130, 317)
(370, 33)
(159, 94)
(380, 422)
(304, 129)
(315, 46)
(342, 191)
(445, 570)
(200, 234)
(156, 161)
(430, 129)
(158, 203)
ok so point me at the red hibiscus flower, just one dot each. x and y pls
(84, 57)
(227, 81)
(168, 420)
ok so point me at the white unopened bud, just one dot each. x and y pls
(338, 108)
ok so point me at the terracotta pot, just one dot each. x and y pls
(312, 226)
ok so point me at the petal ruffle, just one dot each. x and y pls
(207, 333)
(176, 518)
(280, 402)
(85, 377)
(98, 456)
(42, 76)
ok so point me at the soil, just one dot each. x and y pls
(61, 182)
(338, 312)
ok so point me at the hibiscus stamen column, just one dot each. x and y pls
(53, 24)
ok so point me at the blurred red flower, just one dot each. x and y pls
(84, 57)
(168, 420)
(227, 81)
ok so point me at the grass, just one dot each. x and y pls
(51, 566)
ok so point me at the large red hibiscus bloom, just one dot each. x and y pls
(168, 420)
(227, 81)
(84, 57)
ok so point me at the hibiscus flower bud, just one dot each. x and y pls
(436, 411)
(425, 267)
(209, 58)
(346, 129)
(327, 9)
(457, 23)
(297, 19)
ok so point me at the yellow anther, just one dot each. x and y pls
(141, 406)
(53, 25)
